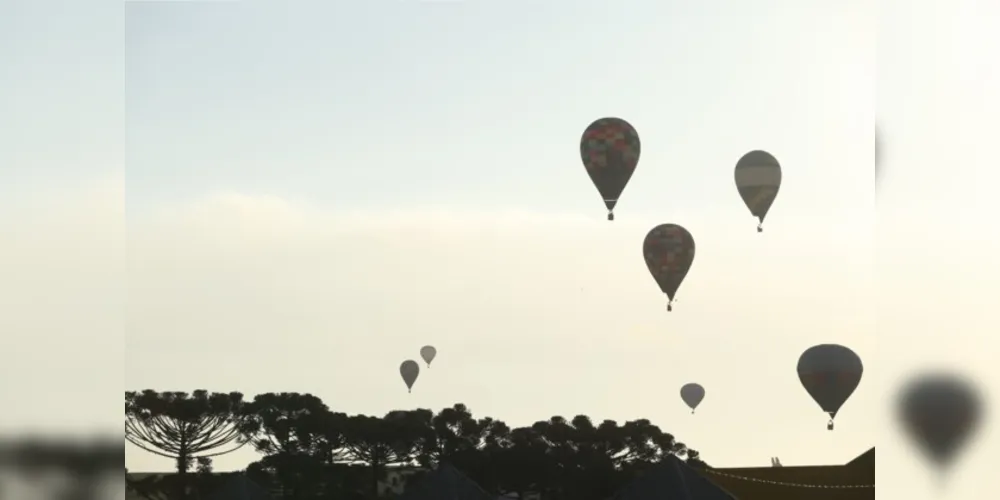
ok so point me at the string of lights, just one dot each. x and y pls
(794, 485)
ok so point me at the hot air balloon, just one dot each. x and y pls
(940, 412)
(830, 373)
(692, 394)
(758, 178)
(409, 370)
(428, 352)
(610, 152)
(669, 252)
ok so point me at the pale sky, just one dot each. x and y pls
(314, 191)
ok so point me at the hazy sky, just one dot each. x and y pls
(314, 191)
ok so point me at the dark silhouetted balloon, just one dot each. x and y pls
(692, 394)
(940, 412)
(669, 253)
(428, 353)
(758, 178)
(610, 151)
(830, 373)
(409, 370)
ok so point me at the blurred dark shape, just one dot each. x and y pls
(310, 452)
(187, 427)
(610, 150)
(64, 468)
(668, 250)
(830, 373)
(940, 412)
(758, 179)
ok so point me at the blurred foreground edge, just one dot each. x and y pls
(90, 454)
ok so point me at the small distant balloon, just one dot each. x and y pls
(940, 412)
(610, 151)
(830, 373)
(758, 178)
(669, 252)
(409, 370)
(428, 353)
(692, 394)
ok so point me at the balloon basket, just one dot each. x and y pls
(611, 216)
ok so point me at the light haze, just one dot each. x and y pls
(315, 191)
(333, 187)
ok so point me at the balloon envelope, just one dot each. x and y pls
(428, 353)
(940, 412)
(409, 370)
(610, 150)
(758, 178)
(669, 252)
(830, 373)
(692, 394)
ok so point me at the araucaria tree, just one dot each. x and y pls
(187, 427)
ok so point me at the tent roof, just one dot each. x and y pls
(671, 479)
(445, 483)
(865, 459)
(239, 487)
(854, 481)
(814, 483)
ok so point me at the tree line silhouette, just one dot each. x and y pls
(310, 451)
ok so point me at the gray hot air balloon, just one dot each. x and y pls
(428, 352)
(758, 178)
(940, 412)
(409, 371)
(692, 394)
(830, 373)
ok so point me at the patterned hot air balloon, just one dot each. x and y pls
(428, 353)
(610, 151)
(409, 370)
(669, 252)
(758, 178)
(830, 373)
(692, 394)
(940, 412)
